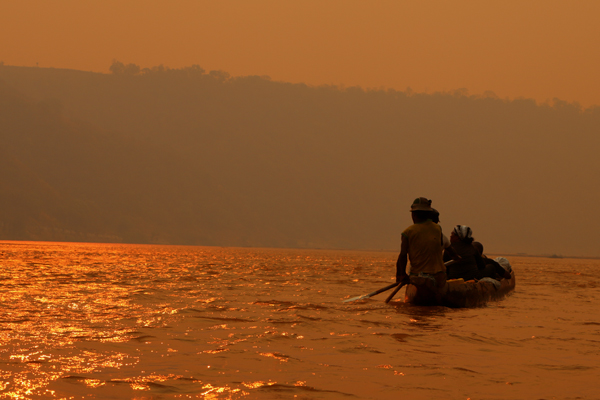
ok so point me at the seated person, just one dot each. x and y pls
(461, 242)
(491, 268)
(422, 244)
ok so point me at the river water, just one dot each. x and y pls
(167, 322)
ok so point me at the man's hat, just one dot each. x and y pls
(421, 204)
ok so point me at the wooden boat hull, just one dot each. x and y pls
(457, 293)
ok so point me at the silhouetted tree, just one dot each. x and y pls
(118, 68)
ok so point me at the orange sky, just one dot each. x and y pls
(535, 49)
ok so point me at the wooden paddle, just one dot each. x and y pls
(394, 292)
(366, 296)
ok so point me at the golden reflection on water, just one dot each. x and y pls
(144, 322)
(213, 392)
(93, 383)
(74, 305)
(71, 301)
(277, 356)
(257, 384)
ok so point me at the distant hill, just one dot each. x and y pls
(187, 156)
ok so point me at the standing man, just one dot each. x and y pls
(422, 243)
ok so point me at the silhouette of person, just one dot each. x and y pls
(422, 245)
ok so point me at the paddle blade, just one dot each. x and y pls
(366, 296)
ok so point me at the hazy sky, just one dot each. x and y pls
(535, 49)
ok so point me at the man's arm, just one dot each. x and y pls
(402, 261)
(450, 254)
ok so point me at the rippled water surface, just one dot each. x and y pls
(165, 322)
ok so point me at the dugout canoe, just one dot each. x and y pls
(458, 293)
